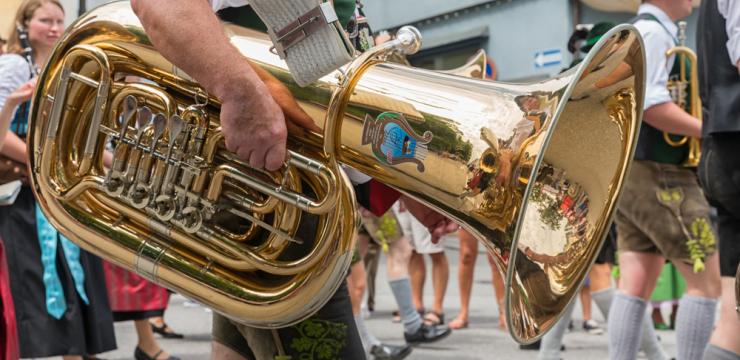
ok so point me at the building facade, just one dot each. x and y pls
(526, 39)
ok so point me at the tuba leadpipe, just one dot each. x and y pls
(533, 171)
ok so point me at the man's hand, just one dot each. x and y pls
(254, 128)
(437, 224)
(254, 109)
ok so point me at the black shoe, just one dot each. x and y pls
(141, 355)
(427, 334)
(166, 331)
(533, 346)
(390, 352)
(536, 346)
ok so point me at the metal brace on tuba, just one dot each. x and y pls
(533, 171)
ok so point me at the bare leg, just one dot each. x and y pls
(147, 343)
(600, 276)
(356, 285)
(418, 271)
(440, 277)
(727, 333)
(499, 291)
(72, 357)
(585, 297)
(468, 255)
(399, 256)
(639, 273)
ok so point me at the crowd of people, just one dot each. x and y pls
(59, 300)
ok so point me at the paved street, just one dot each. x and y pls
(482, 340)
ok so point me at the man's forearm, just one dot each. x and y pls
(188, 34)
(671, 118)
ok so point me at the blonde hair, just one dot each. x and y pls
(22, 16)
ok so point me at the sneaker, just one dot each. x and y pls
(427, 334)
(592, 327)
(390, 352)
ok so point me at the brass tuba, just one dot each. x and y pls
(532, 170)
(678, 88)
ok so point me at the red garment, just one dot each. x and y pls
(128, 291)
(382, 197)
(8, 330)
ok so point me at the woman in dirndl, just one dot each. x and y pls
(133, 298)
(58, 290)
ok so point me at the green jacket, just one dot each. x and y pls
(245, 16)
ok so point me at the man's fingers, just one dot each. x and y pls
(275, 156)
(442, 228)
(242, 152)
(257, 158)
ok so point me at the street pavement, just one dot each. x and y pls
(481, 340)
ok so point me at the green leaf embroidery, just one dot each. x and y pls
(319, 339)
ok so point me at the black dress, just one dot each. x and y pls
(83, 329)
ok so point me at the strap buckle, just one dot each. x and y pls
(301, 28)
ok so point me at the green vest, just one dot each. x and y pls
(245, 16)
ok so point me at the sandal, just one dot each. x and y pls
(166, 331)
(458, 323)
(432, 318)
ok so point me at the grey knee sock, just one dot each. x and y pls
(603, 299)
(694, 323)
(714, 352)
(401, 289)
(649, 341)
(368, 339)
(625, 326)
(551, 342)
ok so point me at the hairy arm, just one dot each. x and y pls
(671, 118)
(188, 34)
(197, 45)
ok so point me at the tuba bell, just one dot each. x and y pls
(533, 171)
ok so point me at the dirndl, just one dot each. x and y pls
(132, 297)
(83, 328)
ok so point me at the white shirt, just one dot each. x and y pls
(221, 4)
(14, 72)
(730, 10)
(657, 42)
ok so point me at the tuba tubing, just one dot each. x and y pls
(533, 171)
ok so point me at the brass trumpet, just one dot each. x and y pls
(691, 102)
(533, 171)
